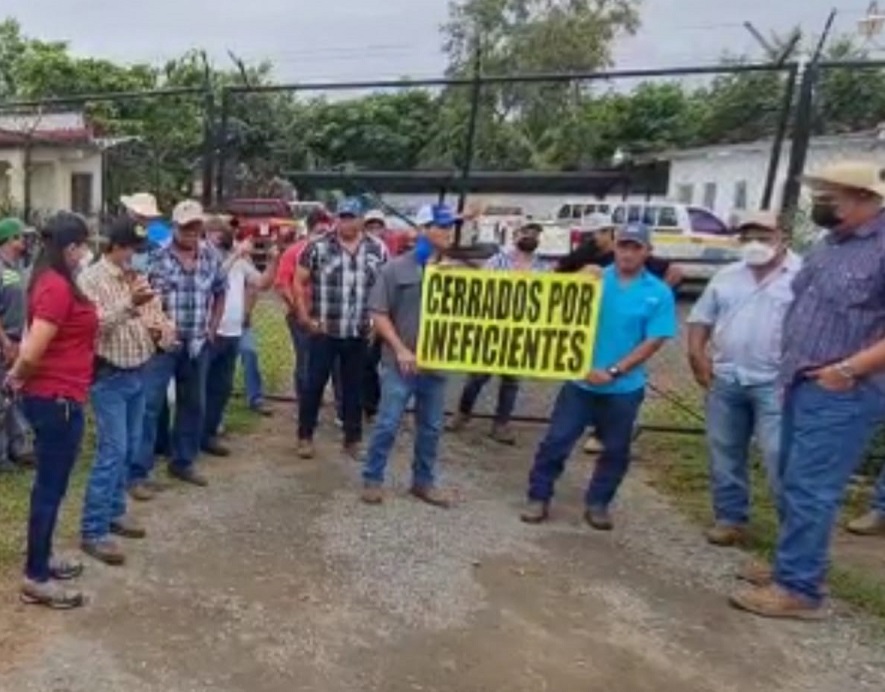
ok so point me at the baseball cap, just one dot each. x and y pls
(187, 212)
(11, 227)
(375, 215)
(637, 233)
(439, 215)
(759, 219)
(851, 175)
(350, 207)
(126, 233)
(141, 203)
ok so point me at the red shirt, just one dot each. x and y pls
(65, 370)
(289, 265)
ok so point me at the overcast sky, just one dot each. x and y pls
(365, 39)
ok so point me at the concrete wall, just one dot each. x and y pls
(51, 172)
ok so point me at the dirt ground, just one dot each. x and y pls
(276, 579)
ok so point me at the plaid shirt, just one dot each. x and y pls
(188, 295)
(340, 282)
(124, 339)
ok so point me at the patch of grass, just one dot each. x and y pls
(679, 469)
(276, 361)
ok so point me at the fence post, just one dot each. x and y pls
(801, 140)
(470, 142)
(208, 144)
(780, 135)
(221, 144)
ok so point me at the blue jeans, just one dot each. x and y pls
(429, 391)
(223, 353)
(508, 390)
(190, 406)
(325, 354)
(734, 413)
(613, 416)
(118, 404)
(824, 437)
(58, 432)
(251, 368)
(301, 347)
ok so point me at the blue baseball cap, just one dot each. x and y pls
(637, 233)
(439, 215)
(350, 207)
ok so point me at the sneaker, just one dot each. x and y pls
(773, 601)
(599, 518)
(26, 460)
(870, 524)
(458, 422)
(191, 476)
(372, 495)
(305, 449)
(214, 448)
(105, 550)
(726, 535)
(503, 434)
(50, 594)
(757, 573)
(535, 513)
(63, 569)
(140, 492)
(156, 486)
(127, 527)
(593, 446)
(431, 496)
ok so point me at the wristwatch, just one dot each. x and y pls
(615, 371)
(844, 368)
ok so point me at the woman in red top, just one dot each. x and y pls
(53, 373)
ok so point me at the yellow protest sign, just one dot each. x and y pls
(508, 323)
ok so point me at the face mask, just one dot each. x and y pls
(140, 263)
(527, 245)
(825, 215)
(423, 250)
(757, 254)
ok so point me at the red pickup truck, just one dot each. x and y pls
(264, 222)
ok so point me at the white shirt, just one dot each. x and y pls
(241, 274)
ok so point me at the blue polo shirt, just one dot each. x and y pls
(633, 312)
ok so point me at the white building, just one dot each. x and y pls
(65, 163)
(731, 178)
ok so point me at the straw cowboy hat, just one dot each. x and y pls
(852, 175)
(141, 203)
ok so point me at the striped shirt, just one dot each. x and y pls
(124, 339)
(341, 281)
(839, 306)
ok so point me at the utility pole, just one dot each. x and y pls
(470, 143)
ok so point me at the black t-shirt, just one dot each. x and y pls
(589, 253)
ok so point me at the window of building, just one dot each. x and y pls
(81, 193)
(740, 194)
(710, 195)
(685, 194)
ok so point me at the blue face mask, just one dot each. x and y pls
(140, 262)
(423, 250)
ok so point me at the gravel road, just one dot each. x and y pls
(275, 579)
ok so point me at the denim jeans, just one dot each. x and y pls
(58, 432)
(223, 354)
(301, 347)
(613, 416)
(190, 406)
(326, 353)
(118, 405)
(734, 414)
(508, 390)
(824, 437)
(163, 443)
(13, 428)
(251, 368)
(429, 391)
(372, 378)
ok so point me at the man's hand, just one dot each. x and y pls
(702, 368)
(10, 352)
(598, 378)
(244, 249)
(832, 380)
(591, 270)
(273, 253)
(141, 292)
(405, 359)
(313, 327)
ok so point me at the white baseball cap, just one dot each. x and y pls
(142, 204)
(187, 212)
(375, 215)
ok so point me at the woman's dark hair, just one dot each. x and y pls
(61, 231)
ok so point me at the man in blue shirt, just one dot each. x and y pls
(637, 316)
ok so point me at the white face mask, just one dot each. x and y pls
(757, 254)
